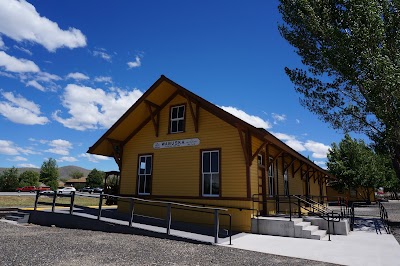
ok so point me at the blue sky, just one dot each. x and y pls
(70, 69)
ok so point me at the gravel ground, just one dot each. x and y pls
(36, 245)
(393, 209)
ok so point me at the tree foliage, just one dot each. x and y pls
(95, 178)
(76, 174)
(9, 179)
(352, 58)
(49, 173)
(29, 178)
(357, 166)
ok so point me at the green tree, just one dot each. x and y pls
(95, 178)
(357, 166)
(76, 174)
(9, 179)
(351, 50)
(49, 173)
(29, 178)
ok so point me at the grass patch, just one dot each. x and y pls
(29, 201)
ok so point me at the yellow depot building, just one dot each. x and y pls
(175, 146)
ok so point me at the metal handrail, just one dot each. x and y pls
(168, 204)
(384, 217)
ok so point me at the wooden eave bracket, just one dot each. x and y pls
(258, 150)
(290, 164)
(117, 148)
(154, 115)
(298, 168)
(245, 141)
(195, 113)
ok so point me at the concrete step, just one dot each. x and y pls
(303, 224)
(319, 234)
(307, 231)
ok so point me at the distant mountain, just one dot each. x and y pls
(63, 171)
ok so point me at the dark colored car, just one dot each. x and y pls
(98, 190)
(87, 189)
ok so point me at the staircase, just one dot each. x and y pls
(309, 231)
(306, 227)
(17, 216)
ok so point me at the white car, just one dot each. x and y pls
(66, 190)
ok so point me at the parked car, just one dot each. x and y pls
(98, 190)
(47, 192)
(26, 189)
(87, 189)
(42, 189)
(66, 190)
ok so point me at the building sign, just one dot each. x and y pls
(176, 143)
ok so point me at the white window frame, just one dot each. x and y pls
(177, 119)
(146, 176)
(285, 181)
(211, 173)
(271, 179)
(260, 159)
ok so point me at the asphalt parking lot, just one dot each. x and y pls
(36, 245)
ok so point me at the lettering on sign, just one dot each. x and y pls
(176, 143)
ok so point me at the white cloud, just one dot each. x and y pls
(93, 157)
(102, 54)
(59, 146)
(43, 77)
(94, 108)
(28, 165)
(13, 64)
(291, 141)
(18, 159)
(136, 63)
(22, 49)
(319, 150)
(251, 119)
(67, 159)
(20, 110)
(8, 147)
(77, 76)
(103, 79)
(2, 45)
(20, 21)
(35, 84)
(278, 118)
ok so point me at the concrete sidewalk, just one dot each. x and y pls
(357, 248)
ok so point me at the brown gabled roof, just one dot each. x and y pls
(76, 180)
(138, 115)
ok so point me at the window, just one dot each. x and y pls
(271, 185)
(144, 174)
(210, 173)
(177, 121)
(285, 181)
(260, 159)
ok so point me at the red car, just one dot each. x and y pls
(26, 189)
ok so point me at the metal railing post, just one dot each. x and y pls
(36, 199)
(329, 233)
(299, 207)
(71, 207)
(100, 205)
(290, 208)
(216, 226)
(54, 201)
(168, 218)
(132, 212)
